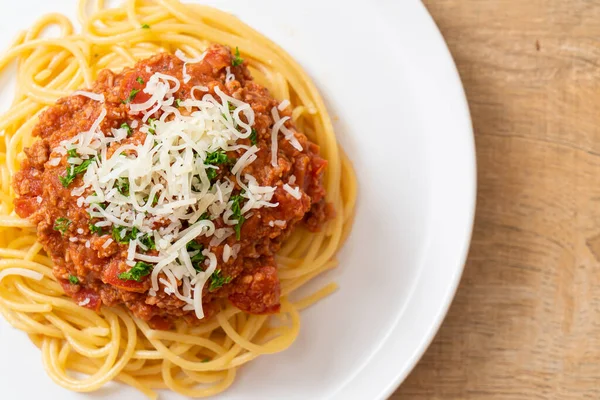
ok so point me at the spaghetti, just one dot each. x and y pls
(196, 361)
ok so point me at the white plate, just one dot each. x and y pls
(388, 77)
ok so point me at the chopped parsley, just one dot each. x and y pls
(238, 227)
(254, 136)
(131, 96)
(100, 205)
(139, 80)
(217, 281)
(127, 128)
(137, 272)
(73, 280)
(178, 102)
(154, 200)
(237, 60)
(148, 241)
(73, 171)
(215, 158)
(152, 126)
(211, 173)
(62, 224)
(236, 208)
(231, 108)
(198, 258)
(145, 26)
(121, 234)
(124, 235)
(95, 229)
(122, 185)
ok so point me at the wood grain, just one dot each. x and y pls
(525, 323)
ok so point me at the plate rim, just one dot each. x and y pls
(388, 388)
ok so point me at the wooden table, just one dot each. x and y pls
(525, 323)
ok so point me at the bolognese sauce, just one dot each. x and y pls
(270, 165)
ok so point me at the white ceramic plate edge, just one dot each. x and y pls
(445, 67)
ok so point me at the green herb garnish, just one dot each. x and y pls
(145, 26)
(231, 108)
(211, 173)
(137, 272)
(73, 280)
(72, 153)
(236, 208)
(122, 185)
(139, 80)
(62, 224)
(198, 258)
(95, 229)
(238, 227)
(68, 179)
(217, 281)
(254, 136)
(178, 102)
(73, 171)
(121, 234)
(127, 128)
(148, 240)
(131, 96)
(215, 158)
(101, 205)
(154, 200)
(152, 125)
(237, 60)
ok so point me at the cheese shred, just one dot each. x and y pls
(165, 180)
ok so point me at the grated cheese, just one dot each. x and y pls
(167, 179)
(283, 105)
(294, 192)
(226, 253)
(84, 302)
(229, 77)
(235, 249)
(90, 95)
(289, 135)
(179, 54)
